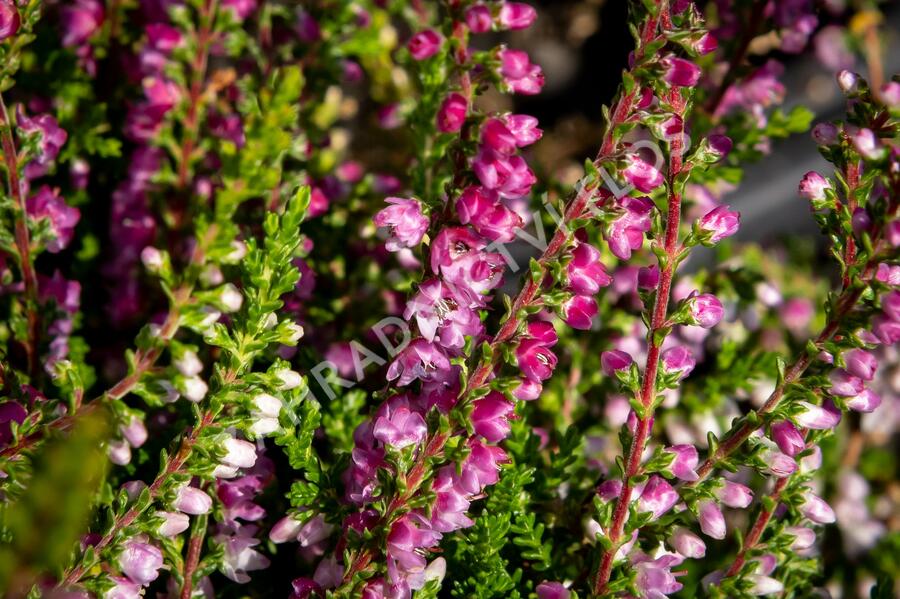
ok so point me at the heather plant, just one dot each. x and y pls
(295, 304)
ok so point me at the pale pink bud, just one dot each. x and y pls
(140, 562)
(860, 363)
(804, 538)
(788, 438)
(705, 310)
(712, 522)
(867, 401)
(816, 510)
(817, 417)
(720, 222)
(813, 186)
(192, 500)
(173, 523)
(734, 495)
(678, 360)
(687, 543)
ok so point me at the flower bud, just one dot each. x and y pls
(845, 384)
(579, 311)
(238, 453)
(289, 378)
(813, 186)
(868, 145)
(817, 417)
(119, 452)
(712, 522)
(860, 363)
(452, 114)
(848, 81)
(425, 44)
(719, 223)
(293, 333)
(685, 462)
(778, 464)
(188, 364)
(705, 310)
(285, 530)
(173, 523)
(528, 390)
(804, 538)
(866, 401)
(479, 18)
(614, 360)
(825, 134)
(194, 389)
(9, 19)
(648, 277)
(585, 274)
(816, 510)
(192, 500)
(687, 543)
(678, 360)
(150, 256)
(230, 298)
(516, 15)
(764, 585)
(734, 495)
(134, 432)
(657, 497)
(680, 72)
(140, 562)
(788, 438)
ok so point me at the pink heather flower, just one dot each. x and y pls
(712, 522)
(519, 73)
(448, 513)
(825, 134)
(51, 135)
(578, 312)
(452, 114)
(239, 453)
(134, 431)
(860, 221)
(497, 136)
(644, 176)
(140, 562)
(9, 19)
(192, 500)
(678, 360)
(490, 417)
(848, 81)
(509, 176)
(440, 316)
(867, 144)
(46, 203)
(488, 216)
(720, 222)
(408, 535)
(796, 313)
(658, 497)
(890, 304)
(804, 538)
(10, 411)
(479, 18)
(528, 390)
(860, 363)
(483, 463)
(314, 531)
(240, 556)
(425, 44)
(648, 277)
(890, 94)
(734, 494)
(845, 384)
(816, 510)
(706, 44)
(626, 233)
(614, 360)
(419, 360)
(401, 428)
(516, 15)
(685, 462)
(680, 72)
(892, 233)
(523, 128)
(866, 401)
(535, 360)
(788, 438)
(778, 464)
(585, 273)
(406, 222)
(552, 590)
(705, 310)
(889, 274)
(285, 530)
(456, 255)
(173, 523)
(80, 20)
(543, 331)
(813, 186)
(764, 585)
(653, 577)
(687, 543)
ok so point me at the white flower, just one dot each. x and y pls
(194, 389)
(189, 364)
(230, 298)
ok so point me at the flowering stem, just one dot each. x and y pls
(172, 467)
(23, 243)
(762, 520)
(195, 545)
(648, 383)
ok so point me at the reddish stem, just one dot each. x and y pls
(762, 520)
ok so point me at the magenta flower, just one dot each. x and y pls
(528, 390)
(487, 215)
(516, 15)
(720, 222)
(734, 494)
(519, 73)
(706, 44)
(479, 18)
(452, 113)
(585, 273)
(51, 136)
(140, 562)
(552, 590)
(644, 176)
(654, 577)
(497, 136)
(658, 497)
(425, 44)
(490, 417)
(10, 411)
(9, 19)
(816, 510)
(678, 360)
(685, 462)
(813, 186)
(440, 316)
(687, 543)
(419, 360)
(535, 360)
(241, 9)
(867, 401)
(408, 535)
(614, 360)
(483, 463)
(508, 175)
(523, 128)
(626, 233)
(46, 203)
(680, 72)
(406, 222)
(578, 312)
(860, 363)
(825, 134)
(401, 428)
(80, 20)
(705, 310)
(648, 277)
(712, 522)
(788, 438)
